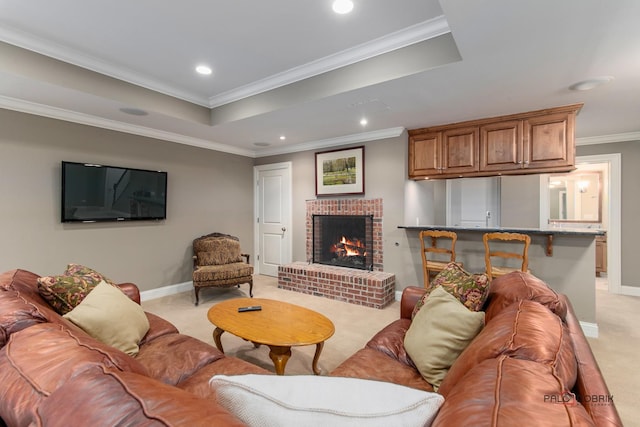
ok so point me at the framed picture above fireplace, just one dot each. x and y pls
(340, 172)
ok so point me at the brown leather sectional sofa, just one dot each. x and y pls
(53, 374)
(531, 365)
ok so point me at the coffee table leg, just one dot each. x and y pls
(280, 356)
(316, 356)
(216, 338)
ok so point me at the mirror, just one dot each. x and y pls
(576, 197)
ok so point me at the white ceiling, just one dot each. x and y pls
(295, 68)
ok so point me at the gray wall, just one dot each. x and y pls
(207, 191)
(520, 201)
(630, 154)
(385, 177)
(212, 191)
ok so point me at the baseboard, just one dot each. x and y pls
(630, 291)
(165, 291)
(589, 329)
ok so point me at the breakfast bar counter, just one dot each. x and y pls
(549, 233)
(565, 258)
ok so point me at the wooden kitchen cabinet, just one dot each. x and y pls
(425, 154)
(540, 141)
(460, 150)
(451, 151)
(549, 140)
(501, 145)
(601, 255)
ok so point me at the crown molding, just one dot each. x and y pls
(86, 119)
(89, 120)
(393, 41)
(65, 54)
(333, 142)
(609, 139)
(390, 42)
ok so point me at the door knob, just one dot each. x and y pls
(284, 229)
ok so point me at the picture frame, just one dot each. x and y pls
(340, 172)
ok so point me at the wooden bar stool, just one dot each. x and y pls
(493, 270)
(429, 244)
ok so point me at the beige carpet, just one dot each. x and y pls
(616, 349)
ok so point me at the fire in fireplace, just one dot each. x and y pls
(343, 240)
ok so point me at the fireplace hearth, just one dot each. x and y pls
(343, 240)
(371, 287)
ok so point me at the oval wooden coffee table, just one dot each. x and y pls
(279, 325)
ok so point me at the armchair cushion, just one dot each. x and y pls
(221, 273)
(217, 251)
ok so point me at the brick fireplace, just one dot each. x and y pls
(366, 285)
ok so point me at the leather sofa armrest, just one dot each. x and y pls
(131, 290)
(590, 386)
(410, 296)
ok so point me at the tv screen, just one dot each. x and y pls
(93, 193)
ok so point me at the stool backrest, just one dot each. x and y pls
(506, 237)
(429, 244)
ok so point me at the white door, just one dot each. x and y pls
(473, 202)
(273, 217)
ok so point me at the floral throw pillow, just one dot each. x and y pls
(471, 290)
(66, 291)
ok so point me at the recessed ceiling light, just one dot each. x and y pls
(134, 111)
(591, 83)
(203, 69)
(342, 6)
(282, 138)
(363, 121)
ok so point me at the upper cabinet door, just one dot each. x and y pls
(549, 141)
(541, 141)
(424, 154)
(460, 150)
(501, 146)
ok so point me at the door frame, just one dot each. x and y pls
(614, 235)
(256, 203)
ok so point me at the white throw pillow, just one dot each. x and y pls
(110, 316)
(308, 400)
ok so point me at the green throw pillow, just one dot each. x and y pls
(66, 291)
(471, 290)
(440, 331)
(110, 316)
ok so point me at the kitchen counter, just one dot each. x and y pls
(577, 231)
(565, 258)
(547, 232)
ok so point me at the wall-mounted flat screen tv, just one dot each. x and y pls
(92, 193)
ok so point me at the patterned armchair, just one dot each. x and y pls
(218, 262)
